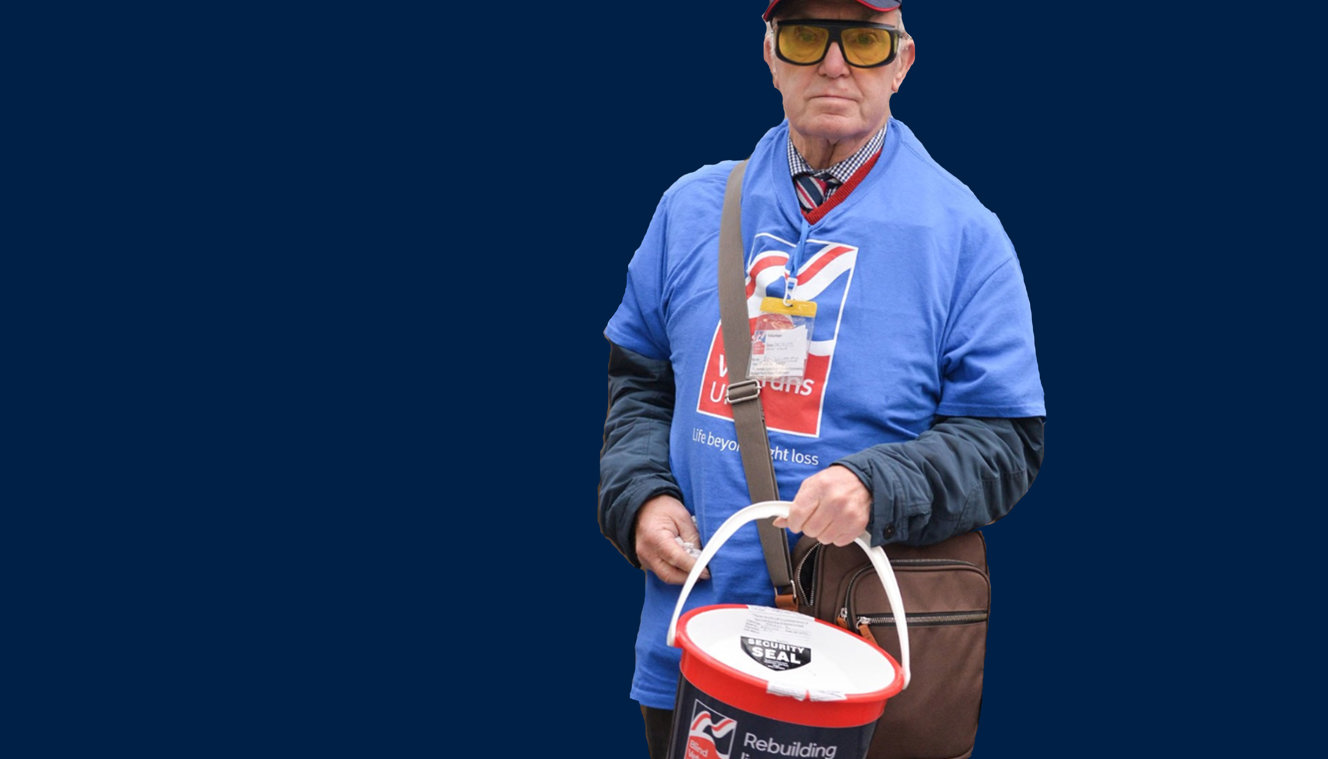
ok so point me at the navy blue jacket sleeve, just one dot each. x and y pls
(962, 474)
(634, 462)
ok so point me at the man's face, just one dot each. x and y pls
(831, 101)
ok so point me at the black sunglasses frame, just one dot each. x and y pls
(836, 30)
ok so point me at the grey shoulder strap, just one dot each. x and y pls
(744, 394)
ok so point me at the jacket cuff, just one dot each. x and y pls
(623, 531)
(881, 522)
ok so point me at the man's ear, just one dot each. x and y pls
(907, 55)
(769, 55)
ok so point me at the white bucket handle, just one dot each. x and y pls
(767, 509)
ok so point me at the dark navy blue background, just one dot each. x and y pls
(326, 375)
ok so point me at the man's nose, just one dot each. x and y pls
(833, 63)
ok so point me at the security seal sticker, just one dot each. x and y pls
(777, 639)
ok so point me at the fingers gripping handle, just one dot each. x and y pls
(768, 509)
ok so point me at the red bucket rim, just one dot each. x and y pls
(721, 680)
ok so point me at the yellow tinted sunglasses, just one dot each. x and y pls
(804, 42)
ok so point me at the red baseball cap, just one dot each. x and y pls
(880, 6)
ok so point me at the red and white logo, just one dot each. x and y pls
(825, 276)
(710, 735)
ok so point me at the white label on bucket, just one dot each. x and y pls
(789, 691)
(789, 626)
(822, 694)
(793, 690)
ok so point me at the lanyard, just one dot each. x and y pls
(794, 263)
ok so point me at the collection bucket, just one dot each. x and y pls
(758, 682)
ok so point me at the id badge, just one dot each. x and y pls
(781, 339)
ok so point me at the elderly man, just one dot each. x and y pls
(917, 411)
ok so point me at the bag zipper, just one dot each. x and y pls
(923, 618)
(862, 624)
(805, 593)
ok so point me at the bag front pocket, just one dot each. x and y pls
(946, 610)
(946, 593)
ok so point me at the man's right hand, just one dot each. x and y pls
(660, 522)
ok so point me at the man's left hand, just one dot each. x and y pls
(831, 506)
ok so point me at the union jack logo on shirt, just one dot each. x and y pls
(824, 277)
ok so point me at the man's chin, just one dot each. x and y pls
(834, 128)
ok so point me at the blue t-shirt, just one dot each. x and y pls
(921, 311)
